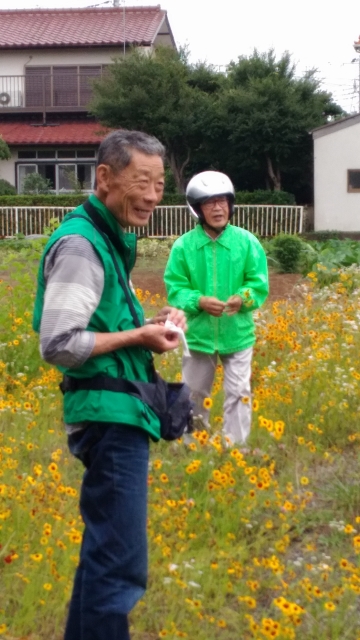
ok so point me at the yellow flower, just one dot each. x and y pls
(330, 606)
(304, 480)
(47, 586)
(207, 404)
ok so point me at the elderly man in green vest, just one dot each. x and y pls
(84, 312)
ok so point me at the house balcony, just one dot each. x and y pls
(53, 92)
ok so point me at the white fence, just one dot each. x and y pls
(265, 220)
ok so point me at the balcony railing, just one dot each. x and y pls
(47, 92)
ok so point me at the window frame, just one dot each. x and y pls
(91, 162)
(349, 188)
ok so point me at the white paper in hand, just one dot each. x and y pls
(173, 327)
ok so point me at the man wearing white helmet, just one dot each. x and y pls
(217, 273)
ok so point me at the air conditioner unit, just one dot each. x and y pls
(11, 99)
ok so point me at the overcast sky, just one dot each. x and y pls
(315, 32)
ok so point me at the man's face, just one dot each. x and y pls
(216, 212)
(133, 193)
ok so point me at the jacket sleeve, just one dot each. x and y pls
(178, 283)
(255, 288)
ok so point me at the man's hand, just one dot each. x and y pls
(175, 315)
(158, 339)
(211, 305)
(233, 305)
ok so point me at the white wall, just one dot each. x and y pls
(335, 153)
(7, 168)
(13, 63)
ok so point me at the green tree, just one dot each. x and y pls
(4, 150)
(163, 95)
(6, 188)
(270, 112)
(35, 183)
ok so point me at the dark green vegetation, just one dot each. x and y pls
(252, 122)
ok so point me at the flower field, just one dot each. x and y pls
(252, 542)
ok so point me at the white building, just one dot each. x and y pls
(337, 175)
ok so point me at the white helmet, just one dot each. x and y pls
(206, 185)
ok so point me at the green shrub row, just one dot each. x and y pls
(73, 200)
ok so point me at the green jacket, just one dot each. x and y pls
(112, 314)
(234, 263)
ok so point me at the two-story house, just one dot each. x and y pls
(48, 60)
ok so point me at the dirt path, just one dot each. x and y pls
(281, 284)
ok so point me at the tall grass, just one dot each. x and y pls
(261, 541)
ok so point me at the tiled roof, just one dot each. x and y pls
(74, 133)
(32, 28)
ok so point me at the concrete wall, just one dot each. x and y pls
(13, 63)
(7, 168)
(335, 153)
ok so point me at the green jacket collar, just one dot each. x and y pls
(202, 237)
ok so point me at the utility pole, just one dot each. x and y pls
(116, 3)
(357, 49)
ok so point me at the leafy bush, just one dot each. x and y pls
(6, 188)
(169, 199)
(287, 250)
(42, 200)
(330, 255)
(322, 236)
(35, 183)
(262, 196)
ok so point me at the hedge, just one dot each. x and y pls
(73, 200)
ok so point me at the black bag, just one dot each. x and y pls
(170, 401)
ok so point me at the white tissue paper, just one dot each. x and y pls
(173, 327)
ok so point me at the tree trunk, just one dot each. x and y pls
(274, 175)
(178, 170)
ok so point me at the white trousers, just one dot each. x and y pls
(198, 373)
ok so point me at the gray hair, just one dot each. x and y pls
(116, 149)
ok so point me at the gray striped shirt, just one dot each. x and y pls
(74, 278)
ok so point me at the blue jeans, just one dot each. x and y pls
(111, 576)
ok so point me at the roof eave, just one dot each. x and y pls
(80, 45)
(336, 125)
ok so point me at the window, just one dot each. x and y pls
(85, 153)
(353, 180)
(63, 154)
(67, 177)
(48, 171)
(24, 155)
(85, 176)
(23, 171)
(63, 176)
(66, 153)
(46, 153)
(60, 86)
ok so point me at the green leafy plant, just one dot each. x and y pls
(6, 189)
(287, 250)
(4, 150)
(35, 183)
(54, 223)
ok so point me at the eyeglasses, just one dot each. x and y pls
(222, 201)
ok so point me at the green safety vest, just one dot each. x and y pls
(112, 314)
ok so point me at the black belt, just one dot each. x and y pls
(99, 383)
